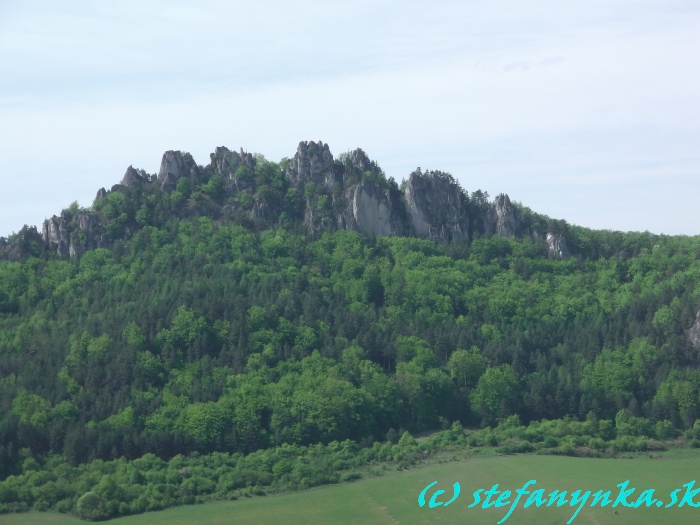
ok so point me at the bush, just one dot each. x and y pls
(407, 440)
(664, 430)
(88, 507)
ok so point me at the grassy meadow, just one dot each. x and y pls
(392, 498)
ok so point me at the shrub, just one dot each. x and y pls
(88, 507)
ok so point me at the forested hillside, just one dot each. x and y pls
(192, 331)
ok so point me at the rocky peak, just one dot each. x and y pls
(55, 234)
(313, 162)
(501, 218)
(174, 166)
(132, 178)
(227, 162)
(27, 243)
(101, 194)
(436, 206)
(358, 162)
(349, 193)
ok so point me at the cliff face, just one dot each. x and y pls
(500, 219)
(436, 206)
(556, 246)
(350, 192)
(174, 166)
(313, 162)
(71, 235)
(367, 203)
(694, 332)
(227, 163)
(370, 210)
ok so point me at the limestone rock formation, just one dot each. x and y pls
(313, 162)
(350, 192)
(227, 163)
(366, 203)
(694, 332)
(370, 210)
(27, 243)
(132, 177)
(436, 206)
(71, 236)
(174, 166)
(501, 218)
(55, 235)
(556, 246)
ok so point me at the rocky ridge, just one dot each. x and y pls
(350, 192)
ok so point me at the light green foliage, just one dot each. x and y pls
(133, 336)
(214, 187)
(88, 506)
(84, 347)
(497, 392)
(466, 366)
(415, 349)
(184, 330)
(241, 173)
(237, 335)
(491, 333)
(407, 440)
(124, 419)
(612, 373)
(184, 187)
(257, 318)
(66, 410)
(203, 421)
(628, 425)
(31, 408)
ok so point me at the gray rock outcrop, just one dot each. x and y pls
(132, 178)
(436, 206)
(366, 203)
(556, 246)
(71, 236)
(27, 243)
(500, 219)
(370, 210)
(174, 166)
(227, 163)
(55, 235)
(351, 193)
(313, 162)
(694, 332)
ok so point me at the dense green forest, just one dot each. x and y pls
(200, 335)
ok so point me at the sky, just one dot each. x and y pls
(583, 111)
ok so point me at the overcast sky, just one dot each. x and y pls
(584, 111)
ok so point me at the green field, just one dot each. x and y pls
(392, 498)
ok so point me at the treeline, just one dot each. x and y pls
(198, 336)
(100, 490)
(106, 489)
